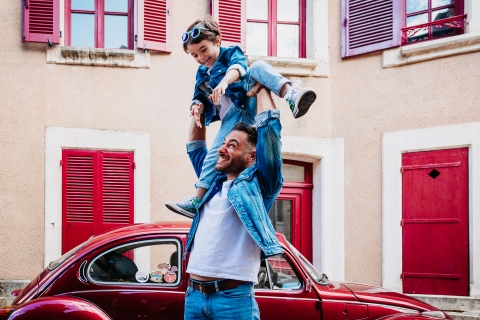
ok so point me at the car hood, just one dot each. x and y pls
(373, 294)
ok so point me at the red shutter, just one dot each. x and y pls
(78, 192)
(41, 21)
(154, 25)
(231, 16)
(370, 25)
(117, 189)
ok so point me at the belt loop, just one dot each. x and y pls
(216, 286)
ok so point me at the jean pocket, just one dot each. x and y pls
(242, 291)
(189, 290)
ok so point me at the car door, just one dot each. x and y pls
(283, 291)
(137, 279)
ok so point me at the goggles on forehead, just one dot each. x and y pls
(194, 33)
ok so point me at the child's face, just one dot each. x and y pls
(205, 52)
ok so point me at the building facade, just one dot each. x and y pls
(95, 98)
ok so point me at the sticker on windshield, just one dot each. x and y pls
(142, 276)
(156, 276)
(170, 277)
(164, 267)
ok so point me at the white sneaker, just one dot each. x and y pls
(300, 99)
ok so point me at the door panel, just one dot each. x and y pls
(435, 222)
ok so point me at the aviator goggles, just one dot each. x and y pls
(194, 33)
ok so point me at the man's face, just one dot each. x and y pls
(235, 154)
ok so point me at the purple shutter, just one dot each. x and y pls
(232, 19)
(155, 25)
(41, 21)
(370, 25)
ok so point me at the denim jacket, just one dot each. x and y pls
(227, 58)
(255, 189)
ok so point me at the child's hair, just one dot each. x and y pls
(210, 30)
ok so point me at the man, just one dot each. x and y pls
(231, 230)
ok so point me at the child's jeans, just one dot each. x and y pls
(259, 71)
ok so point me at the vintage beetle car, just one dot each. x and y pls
(138, 272)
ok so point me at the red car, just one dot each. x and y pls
(137, 272)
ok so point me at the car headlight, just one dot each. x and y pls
(434, 314)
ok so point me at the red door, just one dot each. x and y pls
(97, 189)
(291, 213)
(435, 222)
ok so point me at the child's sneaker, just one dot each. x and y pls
(187, 207)
(300, 100)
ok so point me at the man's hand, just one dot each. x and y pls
(197, 110)
(218, 91)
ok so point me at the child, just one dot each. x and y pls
(221, 90)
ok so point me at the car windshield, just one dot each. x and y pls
(52, 265)
(317, 276)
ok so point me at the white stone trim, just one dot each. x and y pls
(393, 145)
(98, 57)
(429, 50)
(327, 156)
(56, 139)
(316, 63)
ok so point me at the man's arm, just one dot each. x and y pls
(269, 145)
(196, 146)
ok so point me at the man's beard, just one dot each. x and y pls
(233, 166)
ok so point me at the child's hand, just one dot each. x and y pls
(218, 91)
(197, 110)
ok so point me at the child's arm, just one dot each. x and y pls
(231, 76)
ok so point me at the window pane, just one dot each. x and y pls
(442, 14)
(257, 9)
(116, 5)
(116, 32)
(439, 3)
(83, 5)
(416, 5)
(283, 275)
(416, 20)
(150, 262)
(257, 39)
(288, 10)
(287, 40)
(281, 216)
(439, 30)
(293, 173)
(83, 26)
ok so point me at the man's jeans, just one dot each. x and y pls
(236, 304)
(260, 71)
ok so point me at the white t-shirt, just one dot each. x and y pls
(223, 248)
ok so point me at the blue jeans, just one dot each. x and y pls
(237, 304)
(259, 71)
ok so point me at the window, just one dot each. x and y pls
(431, 19)
(97, 193)
(374, 25)
(276, 28)
(277, 273)
(99, 23)
(147, 262)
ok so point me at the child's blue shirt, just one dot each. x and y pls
(229, 58)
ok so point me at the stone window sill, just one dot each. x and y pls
(430, 50)
(98, 57)
(295, 66)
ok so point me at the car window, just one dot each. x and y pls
(140, 263)
(277, 273)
